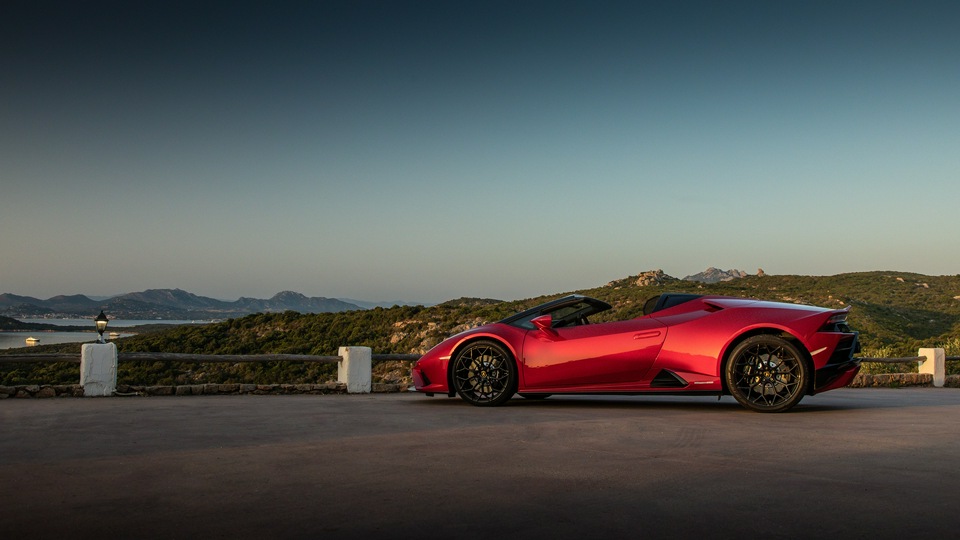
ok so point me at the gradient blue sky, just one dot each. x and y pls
(402, 150)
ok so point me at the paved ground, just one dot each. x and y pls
(852, 463)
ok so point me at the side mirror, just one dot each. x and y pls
(544, 323)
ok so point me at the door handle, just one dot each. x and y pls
(647, 335)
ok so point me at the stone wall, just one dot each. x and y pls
(41, 391)
(75, 390)
(893, 380)
(862, 380)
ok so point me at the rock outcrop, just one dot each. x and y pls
(644, 279)
(715, 275)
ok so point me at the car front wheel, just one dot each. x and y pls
(767, 374)
(484, 374)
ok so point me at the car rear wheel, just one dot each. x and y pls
(767, 374)
(484, 374)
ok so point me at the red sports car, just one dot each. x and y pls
(768, 355)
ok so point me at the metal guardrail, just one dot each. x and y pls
(41, 357)
(227, 358)
(99, 367)
(904, 360)
(332, 359)
(199, 358)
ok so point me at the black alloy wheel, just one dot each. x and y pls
(484, 374)
(767, 374)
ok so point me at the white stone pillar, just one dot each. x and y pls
(355, 369)
(98, 369)
(935, 364)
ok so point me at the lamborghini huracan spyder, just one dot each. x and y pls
(767, 355)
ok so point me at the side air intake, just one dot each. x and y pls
(667, 379)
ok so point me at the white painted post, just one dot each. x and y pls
(935, 364)
(355, 369)
(98, 369)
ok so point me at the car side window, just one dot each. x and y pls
(570, 315)
(560, 316)
(563, 317)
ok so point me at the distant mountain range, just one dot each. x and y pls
(179, 304)
(171, 304)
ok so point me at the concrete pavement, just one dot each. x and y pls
(854, 463)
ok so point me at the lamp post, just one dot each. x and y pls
(101, 321)
(98, 363)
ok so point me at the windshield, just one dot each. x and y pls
(569, 311)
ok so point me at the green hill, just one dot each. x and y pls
(896, 313)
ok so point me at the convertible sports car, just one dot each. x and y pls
(768, 355)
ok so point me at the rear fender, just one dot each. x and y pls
(768, 330)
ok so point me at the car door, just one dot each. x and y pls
(613, 353)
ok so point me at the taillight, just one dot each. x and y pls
(837, 318)
(836, 323)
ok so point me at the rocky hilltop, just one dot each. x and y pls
(715, 275)
(658, 277)
(643, 279)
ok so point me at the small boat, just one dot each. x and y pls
(31, 341)
(114, 335)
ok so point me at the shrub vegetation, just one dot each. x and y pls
(895, 312)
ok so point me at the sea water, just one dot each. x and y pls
(12, 340)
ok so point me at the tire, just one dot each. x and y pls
(767, 374)
(484, 374)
